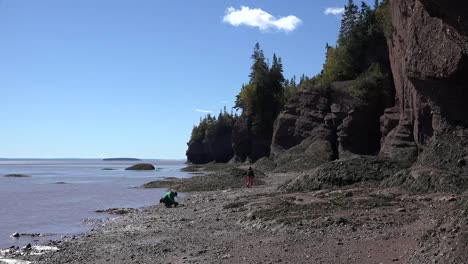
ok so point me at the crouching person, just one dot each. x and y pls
(169, 199)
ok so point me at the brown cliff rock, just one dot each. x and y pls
(304, 112)
(429, 59)
(320, 125)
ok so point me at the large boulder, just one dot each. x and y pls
(141, 166)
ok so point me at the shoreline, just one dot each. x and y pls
(353, 224)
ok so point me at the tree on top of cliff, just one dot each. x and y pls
(349, 20)
(263, 97)
(361, 44)
(290, 87)
(210, 127)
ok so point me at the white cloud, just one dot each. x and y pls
(261, 19)
(334, 11)
(203, 111)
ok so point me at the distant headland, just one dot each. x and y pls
(121, 159)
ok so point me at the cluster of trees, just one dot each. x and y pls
(361, 54)
(263, 97)
(210, 126)
(361, 49)
(260, 101)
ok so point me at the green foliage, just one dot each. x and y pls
(210, 127)
(384, 18)
(264, 96)
(361, 43)
(290, 87)
(369, 86)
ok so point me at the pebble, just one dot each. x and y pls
(451, 199)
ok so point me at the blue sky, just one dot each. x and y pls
(112, 78)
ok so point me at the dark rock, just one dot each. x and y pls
(221, 148)
(344, 172)
(241, 139)
(198, 153)
(17, 176)
(304, 112)
(118, 211)
(246, 145)
(16, 234)
(310, 153)
(321, 124)
(218, 149)
(141, 166)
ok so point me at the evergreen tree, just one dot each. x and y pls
(349, 20)
(263, 97)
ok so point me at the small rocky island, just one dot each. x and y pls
(121, 159)
(15, 175)
(141, 166)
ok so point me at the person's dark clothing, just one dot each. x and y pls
(169, 200)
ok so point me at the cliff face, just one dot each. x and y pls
(429, 60)
(427, 124)
(319, 125)
(219, 149)
(246, 145)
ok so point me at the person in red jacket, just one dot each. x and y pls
(250, 177)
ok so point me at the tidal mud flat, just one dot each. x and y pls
(228, 223)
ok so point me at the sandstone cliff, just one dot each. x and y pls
(429, 59)
(320, 125)
(426, 125)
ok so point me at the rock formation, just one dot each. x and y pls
(218, 149)
(425, 126)
(141, 166)
(319, 125)
(246, 145)
(429, 59)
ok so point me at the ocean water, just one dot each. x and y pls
(61, 194)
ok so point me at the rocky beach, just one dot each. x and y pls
(365, 222)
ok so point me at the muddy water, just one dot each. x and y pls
(61, 194)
